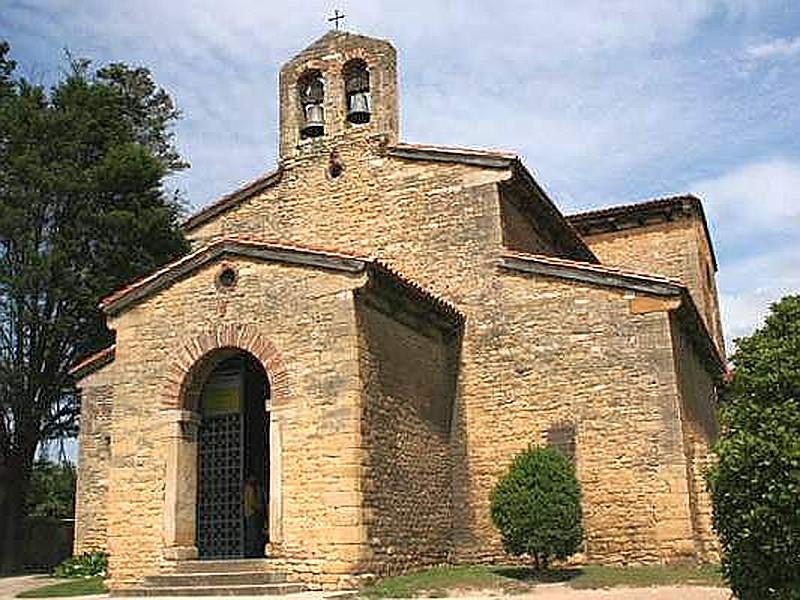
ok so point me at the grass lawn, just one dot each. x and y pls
(72, 587)
(599, 577)
(443, 581)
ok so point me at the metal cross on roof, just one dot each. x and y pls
(336, 17)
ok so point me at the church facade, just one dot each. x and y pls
(333, 380)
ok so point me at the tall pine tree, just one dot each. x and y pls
(83, 210)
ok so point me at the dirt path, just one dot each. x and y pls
(561, 591)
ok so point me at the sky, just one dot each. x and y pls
(606, 101)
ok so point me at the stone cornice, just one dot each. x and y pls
(642, 214)
(492, 159)
(591, 273)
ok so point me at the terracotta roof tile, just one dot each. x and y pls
(631, 211)
(636, 207)
(93, 362)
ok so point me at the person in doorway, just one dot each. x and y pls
(253, 518)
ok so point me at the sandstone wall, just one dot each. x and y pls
(698, 415)
(94, 444)
(567, 355)
(441, 225)
(307, 315)
(676, 249)
(408, 375)
(434, 222)
(520, 232)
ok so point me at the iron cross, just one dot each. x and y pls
(336, 17)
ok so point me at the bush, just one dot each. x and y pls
(755, 484)
(537, 507)
(85, 565)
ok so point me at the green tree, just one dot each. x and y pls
(755, 485)
(83, 210)
(537, 507)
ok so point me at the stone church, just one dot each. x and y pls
(362, 339)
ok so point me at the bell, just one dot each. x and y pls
(358, 108)
(315, 121)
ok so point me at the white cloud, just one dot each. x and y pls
(750, 285)
(754, 211)
(757, 198)
(777, 48)
(606, 100)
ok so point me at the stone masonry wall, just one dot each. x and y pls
(568, 353)
(440, 224)
(94, 444)
(409, 378)
(520, 233)
(677, 249)
(308, 316)
(698, 408)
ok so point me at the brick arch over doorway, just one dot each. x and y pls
(190, 368)
(196, 359)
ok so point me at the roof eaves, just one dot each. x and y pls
(223, 247)
(522, 171)
(445, 310)
(637, 282)
(630, 211)
(93, 363)
(590, 273)
(232, 199)
(493, 159)
(691, 318)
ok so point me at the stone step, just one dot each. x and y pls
(220, 579)
(224, 566)
(266, 589)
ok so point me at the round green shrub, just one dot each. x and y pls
(536, 507)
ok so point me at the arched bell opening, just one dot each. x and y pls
(311, 90)
(356, 88)
(232, 504)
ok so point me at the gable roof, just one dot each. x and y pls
(469, 156)
(641, 214)
(595, 274)
(491, 159)
(272, 252)
(228, 246)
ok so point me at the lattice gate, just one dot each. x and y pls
(220, 531)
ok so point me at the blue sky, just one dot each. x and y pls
(607, 101)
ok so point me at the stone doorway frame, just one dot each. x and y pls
(187, 375)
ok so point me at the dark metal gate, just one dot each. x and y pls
(220, 531)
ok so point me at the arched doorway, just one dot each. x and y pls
(233, 459)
